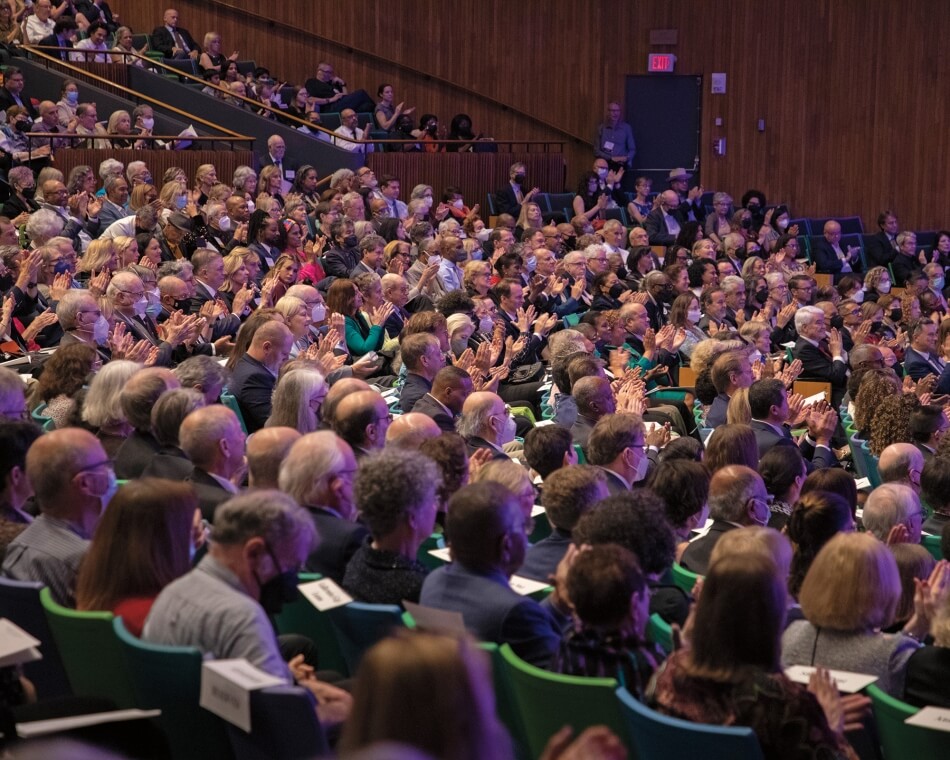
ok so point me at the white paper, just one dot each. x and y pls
(443, 554)
(526, 586)
(432, 619)
(931, 717)
(543, 423)
(862, 483)
(790, 344)
(815, 399)
(226, 687)
(16, 645)
(324, 594)
(537, 510)
(846, 681)
(55, 725)
(700, 532)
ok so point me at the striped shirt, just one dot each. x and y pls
(48, 551)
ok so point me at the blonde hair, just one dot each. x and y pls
(739, 412)
(121, 243)
(169, 193)
(755, 539)
(96, 256)
(853, 585)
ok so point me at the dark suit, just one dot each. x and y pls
(264, 252)
(163, 41)
(880, 249)
(209, 491)
(717, 412)
(428, 406)
(655, 226)
(928, 672)
(142, 328)
(54, 41)
(543, 558)
(696, 556)
(228, 325)
(14, 207)
(135, 454)
(493, 612)
(170, 462)
(817, 365)
(657, 312)
(927, 454)
(7, 100)
(287, 166)
(580, 431)
(766, 438)
(506, 201)
(919, 365)
(615, 484)
(415, 387)
(339, 540)
(396, 321)
(339, 262)
(252, 385)
(903, 267)
(475, 443)
(826, 259)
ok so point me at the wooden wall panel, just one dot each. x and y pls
(852, 92)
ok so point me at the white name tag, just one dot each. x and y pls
(931, 717)
(847, 682)
(608, 145)
(290, 174)
(815, 399)
(226, 687)
(537, 510)
(16, 645)
(526, 586)
(862, 483)
(324, 594)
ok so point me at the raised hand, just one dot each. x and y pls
(381, 313)
(465, 361)
(61, 283)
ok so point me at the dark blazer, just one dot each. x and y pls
(13, 207)
(162, 40)
(928, 672)
(615, 484)
(287, 165)
(826, 260)
(506, 202)
(543, 558)
(170, 462)
(135, 454)
(396, 321)
(529, 354)
(339, 262)
(142, 328)
(943, 382)
(918, 365)
(493, 612)
(339, 540)
(717, 412)
(903, 266)
(6, 100)
(655, 226)
(696, 556)
(580, 431)
(209, 491)
(817, 366)
(415, 387)
(428, 406)
(880, 249)
(264, 252)
(766, 438)
(657, 314)
(228, 325)
(53, 41)
(475, 443)
(252, 385)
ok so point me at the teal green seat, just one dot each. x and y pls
(659, 737)
(870, 462)
(301, 617)
(542, 529)
(359, 626)
(506, 707)
(684, 579)
(898, 740)
(581, 459)
(660, 632)
(228, 400)
(524, 411)
(92, 655)
(570, 320)
(549, 701)
(169, 679)
(932, 545)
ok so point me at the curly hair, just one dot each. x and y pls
(876, 385)
(450, 453)
(637, 521)
(64, 372)
(891, 422)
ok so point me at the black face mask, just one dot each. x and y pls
(746, 222)
(617, 290)
(896, 315)
(28, 192)
(183, 305)
(350, 241)
(762, 295)
(519, 179)
(667, 295)
(21, 126)
(279, 590)
(837, 322)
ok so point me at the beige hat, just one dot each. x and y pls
(679, 173)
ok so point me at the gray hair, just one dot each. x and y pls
(564, 343)
(288, 306)
(774, 279)
(574, 257)
(806, 316)
(69, 305)
(733, 487)
(420, 190)
(200, 372)
(889, 505)
(266, 514)
(593, 250)
(110, 168)
(241, 175)
(731, 283)
(291, 400)
(339, 175)
(391, 484)
(43, 225)
(472, 423)
(134, 168)
(122, 281)
(310, 462)
(101, 406)
(904, 236)
(19, 175)
(170, 411)
(722, 198)
(174, 268)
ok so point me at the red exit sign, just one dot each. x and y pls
(661, 63)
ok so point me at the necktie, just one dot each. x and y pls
(823, 348)
(180, 41)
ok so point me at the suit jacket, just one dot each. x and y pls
(657, 314)
(880, 249)
(228, 325)
(396, 321)
(493, 612)
(170, 462)
(339, 540)
(827, 261)
(6, 100)
(918, 365)
(580, 431)
(288, 166)
(475, 443)
(928, 672)
(696, 556)
(264, 253)
(135, 454)
(209, 491)
(13, 206)
(816, 457)
(339, 262)
(428, 406)
(111, 212)
(506, 202)
(52, 41)
(415, 387)
(655, 226)
(543, 558)
(717, 412)
(143, 329)
(903, 267)
(162, 40)
(817, 366)
(252, 385)
(615, 483)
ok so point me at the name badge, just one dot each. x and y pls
(608, 145)
(324, 594)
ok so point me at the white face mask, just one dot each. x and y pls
(148, 124)
(458, 203)
(858, 297)
(140, 307)
(531, 264)
(100, 330)
(486, 325)
(643, 464)
(224, 223)
(884, 287)
(319, 312)
(434, 260)
(483, 234)
(508, 433)
(695, 316)
(602, 173)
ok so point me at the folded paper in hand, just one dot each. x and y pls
(188, 131)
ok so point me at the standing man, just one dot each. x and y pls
(614, 140)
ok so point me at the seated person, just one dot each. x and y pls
(384, 569)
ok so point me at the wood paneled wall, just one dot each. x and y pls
(852, 92)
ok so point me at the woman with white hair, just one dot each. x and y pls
(101, 409)
(460, 329)
(297, 400)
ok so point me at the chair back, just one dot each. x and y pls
(20, 604)
(932, 545)
(660, 632)
(283, 724)
(684, 579)
(359, 626)
(659, 737)
(92, 655)
(301, 617)
(435, 541)
(898, 740)
(549, 701)
(230, 401)
(506, 707)
(169, 679)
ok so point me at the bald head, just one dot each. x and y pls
(213, 439)
(361, 419)
(52, 465)
(901, 463)
(483, 415)
(338, 391)
(271, 344)
(408, 431)
(866, 355)
(266, 449)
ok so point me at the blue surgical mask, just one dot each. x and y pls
(181, 201)
(72, 98)
(937, 283)
(61, 266)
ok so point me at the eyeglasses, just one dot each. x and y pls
(107, 463)
(387, 418)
